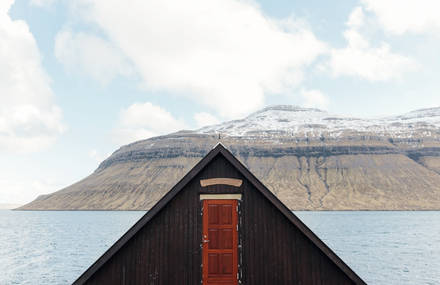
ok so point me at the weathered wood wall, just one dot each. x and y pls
(167, 250)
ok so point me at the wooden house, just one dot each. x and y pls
(219, 225)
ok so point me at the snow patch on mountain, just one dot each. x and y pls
(293, 121)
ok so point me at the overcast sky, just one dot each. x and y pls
(79, 78)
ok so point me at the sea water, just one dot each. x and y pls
(45, 247)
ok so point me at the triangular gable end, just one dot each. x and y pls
(219, 150)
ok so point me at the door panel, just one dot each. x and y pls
(225, 214)
(220, 240)
(226, 238)
(213, 239)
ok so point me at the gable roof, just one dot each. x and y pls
(219, 149)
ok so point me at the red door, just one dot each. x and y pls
(220, 240)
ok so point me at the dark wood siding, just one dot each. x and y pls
(167, 249)
(276, 252)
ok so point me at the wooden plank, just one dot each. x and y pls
(221, 181)
(220, 196)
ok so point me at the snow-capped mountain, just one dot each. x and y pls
(310, 159)
(292, 121)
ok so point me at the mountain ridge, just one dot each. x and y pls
(310, 159)
(303, 121)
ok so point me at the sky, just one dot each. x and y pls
(80, 78)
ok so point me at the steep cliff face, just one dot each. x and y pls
(310, 159)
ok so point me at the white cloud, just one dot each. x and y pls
(223, 54)
(144, 120)
(29, 118)
(314, 99)
(17, 190)
(5, 5)
(89, 54)
(399, 17)
(98, 156)
(361, 59)
(204, 119)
